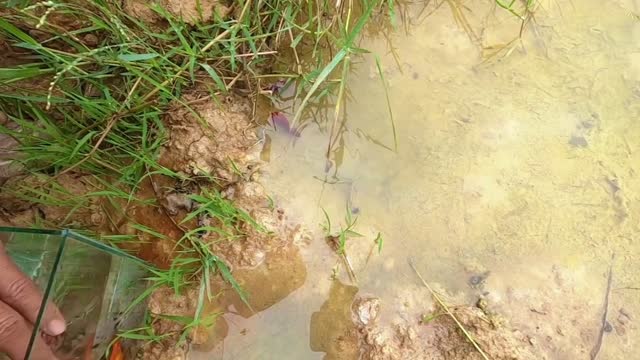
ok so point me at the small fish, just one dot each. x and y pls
(281, 124)
(277, 86)
(88, 349)
(116, 351)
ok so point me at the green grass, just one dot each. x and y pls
(96, 109)
(338, 240)
(521, 9)
(345, 232)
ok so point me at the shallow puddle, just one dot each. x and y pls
(515, 178)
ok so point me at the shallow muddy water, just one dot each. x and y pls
(515, 178)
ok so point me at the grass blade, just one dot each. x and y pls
(137, 57)
(214, 75)
(386, 94)
(319, 81)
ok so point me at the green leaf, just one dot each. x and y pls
(137, 57)
(226, 274)
(17, 33)
(357, 50)
(215, 77)
(148, 230)
(319, 80)
(82, 142)
(352, 233)
(135, 336)
(342, 241)
(379, 240)
(297, 39)
(362, 21)
(328, 220)
(15, 74)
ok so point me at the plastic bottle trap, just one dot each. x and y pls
(95, 286)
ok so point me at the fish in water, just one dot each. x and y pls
(277, 86)
(281, 124)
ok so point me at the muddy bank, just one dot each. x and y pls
(65, 202)
(546, 322)
(434, 335)
(215, 148)
(349, 326)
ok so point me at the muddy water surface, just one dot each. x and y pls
(515, 179)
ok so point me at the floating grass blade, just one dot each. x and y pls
(386, 94)
(446, 309)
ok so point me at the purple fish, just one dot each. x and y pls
(277, 86)
(281, 124)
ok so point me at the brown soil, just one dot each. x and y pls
(165, 302)
(219, 138)
(216, 140)
(191, 11)
(77, 212)
(348, 327)
(8, 168)
(441, 338)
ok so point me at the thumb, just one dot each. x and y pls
(20, 293)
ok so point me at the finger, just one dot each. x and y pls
(15, 334)
(19, 292)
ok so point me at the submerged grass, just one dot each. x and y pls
(447, 311)
(85, 87)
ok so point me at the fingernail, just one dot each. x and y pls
(56, 327)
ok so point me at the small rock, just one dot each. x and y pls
(97, 218)
(178, 201)
(366, 310)
(254, 257)
(90, 40)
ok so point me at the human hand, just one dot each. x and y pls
(20, 302)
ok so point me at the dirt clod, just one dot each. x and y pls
(366, 310)
(442, 339)
(90, 40)
(220, 143)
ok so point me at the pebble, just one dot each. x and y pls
(366, 309)
(90, 40)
